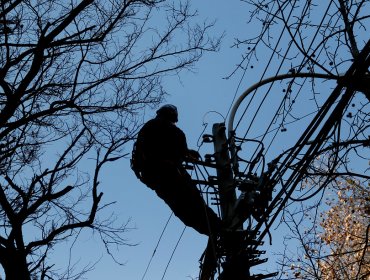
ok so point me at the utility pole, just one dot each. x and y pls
(225, 177)
(233, 268)
(237, 247)
(226, 201)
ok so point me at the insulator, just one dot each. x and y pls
(207, 138)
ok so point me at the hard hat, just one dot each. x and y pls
(168, 112)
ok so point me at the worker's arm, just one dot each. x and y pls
(188, 154)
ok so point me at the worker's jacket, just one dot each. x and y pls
(160, 143)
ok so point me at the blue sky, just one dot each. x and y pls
(204, 97)
(198, 96)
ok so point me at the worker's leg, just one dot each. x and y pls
(185, 200)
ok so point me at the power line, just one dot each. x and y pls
(156, 247)
(265, 71)
(286, 96)
(361, 63)
(246, 67)
(173, 252)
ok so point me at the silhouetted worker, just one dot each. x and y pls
(158, 155)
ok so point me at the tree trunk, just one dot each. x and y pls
(15, 266)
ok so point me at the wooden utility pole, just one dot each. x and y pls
(225, 177)
(234, 267)
(235, 245)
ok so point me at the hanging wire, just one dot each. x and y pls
(282, 102)
(302, 63)
(156, 247)
(298, 92)
(333, 118)
(205, 125)
(173, 252)
(325, 14)
(270, 86)
(265, 71)
(244, 71)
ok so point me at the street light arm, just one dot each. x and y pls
(270, 80)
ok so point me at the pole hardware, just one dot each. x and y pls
(207, 138)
